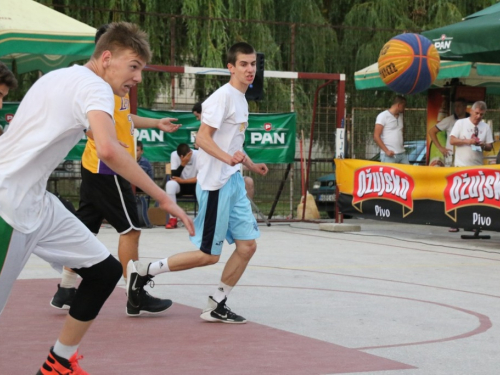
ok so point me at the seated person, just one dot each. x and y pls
(183, 180)
(143, 162)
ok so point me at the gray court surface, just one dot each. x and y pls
(401, 299)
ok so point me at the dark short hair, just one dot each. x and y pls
(122, 36)
(236, 49)
(101, 30)
(7, 77)
(183, 149)
(140, 145)
(196, 107)
(460, 100)
(398, 99)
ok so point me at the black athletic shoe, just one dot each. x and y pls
(148, 305)
(63, 297)
(219, 312)
(138, 300)
(135, 284)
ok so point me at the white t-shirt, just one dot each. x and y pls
(189, 170)
(50, 120)
(446, 125)
(465, 156)
(227, 111)
(392, 134)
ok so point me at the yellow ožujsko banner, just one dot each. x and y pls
(467, 197)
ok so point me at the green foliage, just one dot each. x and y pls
(310, 36)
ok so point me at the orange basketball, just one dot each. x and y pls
(408, 63)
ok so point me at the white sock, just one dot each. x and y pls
(222, 292)
(158, 267)
(68, 279)
(64, 351)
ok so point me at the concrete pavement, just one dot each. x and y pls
(390, 299)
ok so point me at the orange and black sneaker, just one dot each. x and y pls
(55, 365)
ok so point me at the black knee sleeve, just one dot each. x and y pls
(97, 285)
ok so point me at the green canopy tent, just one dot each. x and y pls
(450, 72)
(486, 11)
(473, 39)
(35, 37)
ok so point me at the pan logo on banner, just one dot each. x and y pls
(471, 188)
(275, 138)
(443, 43)
(383, 182)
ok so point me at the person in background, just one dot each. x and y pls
(7, 82)
(445, 125)
(388, 133)
(471, 136)
(183, 180)
(143, 161)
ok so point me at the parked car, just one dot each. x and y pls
(67, 168)
(325, 187)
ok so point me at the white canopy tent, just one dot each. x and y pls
(35, 37)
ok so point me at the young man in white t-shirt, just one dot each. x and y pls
(471, 137)
(388, 133)
(225, 211)
(183, 180)
(50, 121)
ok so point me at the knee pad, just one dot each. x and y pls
(98, 282)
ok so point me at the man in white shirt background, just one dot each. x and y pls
(446, 125)
(388, 133)
(471, 136)
(183, 180)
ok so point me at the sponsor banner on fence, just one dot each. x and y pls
(270, 138)
(467, 197)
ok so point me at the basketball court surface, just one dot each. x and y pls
(391, 299)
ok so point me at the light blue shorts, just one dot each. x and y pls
(225, 214)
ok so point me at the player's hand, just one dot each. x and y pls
(166, 125)
(390, 153)
(166, 204)
(186, 158)
(237, 158)
(260, 168)
(188, 223)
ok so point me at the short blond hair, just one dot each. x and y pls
(121, 36)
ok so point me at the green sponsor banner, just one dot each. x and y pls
(270, 138)
(7, 113)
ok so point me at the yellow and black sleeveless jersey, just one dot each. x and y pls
(124, 131)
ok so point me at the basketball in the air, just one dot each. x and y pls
(408, 63)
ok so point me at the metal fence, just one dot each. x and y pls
(280, 190)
